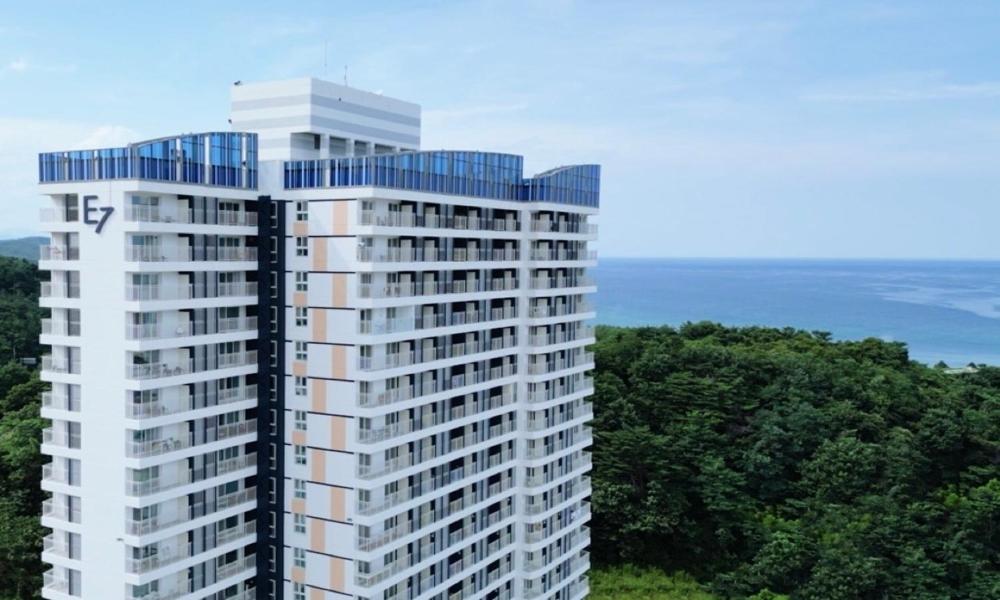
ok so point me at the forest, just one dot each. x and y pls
(737, 463)
(764, 463)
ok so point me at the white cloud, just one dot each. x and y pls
(17, 65)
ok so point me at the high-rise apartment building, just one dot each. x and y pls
(307, 360)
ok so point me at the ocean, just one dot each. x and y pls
(942, 310)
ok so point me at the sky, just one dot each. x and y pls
(724, 129)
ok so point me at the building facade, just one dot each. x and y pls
(307, 360)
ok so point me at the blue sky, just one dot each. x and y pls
(746, 129)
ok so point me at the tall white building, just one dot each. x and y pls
(308, 361)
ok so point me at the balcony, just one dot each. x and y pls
(155, 214)
(552, 283)
(53, 364)
(394, 255)
(548, 226)
(189, 292)
(55, 582)
(385, 326)
(153, 331)
(190, 366)
(373, 399)
(58, 290)
(394, 430)
(150, 448)
(62, 439)
(401, 219)
(59, 511)
(168, 557)
(544, 367)
(435, 288)
(161, 484)
(565, 255)
(58, 253)
(57, 401)
(183, 254)
(559, 310)
(558, 390)
(53, 473)
(425, 355)
(582, 411)
(561, 337)
(149, 410)
(53, 327)
(222, 503)
(368, 508)
(59, 547)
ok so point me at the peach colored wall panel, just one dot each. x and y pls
(338, 504)
(318, 395)
(318, 320)
(338, 285)
(300, 228)
(299, 368)
(317, 535)
(338, 433)
(340, 225)
(317, 465)
(338, 567)
(338, 367)
(319, 254)
(300, 299)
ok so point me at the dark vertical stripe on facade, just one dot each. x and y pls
(271, 328)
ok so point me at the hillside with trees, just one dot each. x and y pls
(764, 461)
(20, 432)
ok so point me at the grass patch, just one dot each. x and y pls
(634, 583)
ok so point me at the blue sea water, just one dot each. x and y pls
(942, 310)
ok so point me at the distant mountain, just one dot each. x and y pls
(26, 247)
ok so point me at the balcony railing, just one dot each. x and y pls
(60, 365)
(150, 448)
(199, 510)
(190, 292)
(400, 219)
(155, 253)
(162, 484)
(58, 253)
(52, 327)
(58, 290)
(158, 370)
(559, 310)
(58, 510)
(147, 331)
(368, 399)
(148, 410)
(392, 255)
(424, 355)
(538, 225)
(551, 283)
(63, 439)
(170, 556)
(568, 255)
(387, 432)
(155, 214)
(434, 288)
(54, 473)
(57, 401)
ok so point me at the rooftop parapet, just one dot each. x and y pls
(215, 159)
(477, 174)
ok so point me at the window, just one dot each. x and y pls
(301, 210)
(300, 455)
(301, 352)
(300, 420)
(301, 246)
(299, 591)
(301, 316)
(301, 281)
(300, 488)
(299, 557)
(299, 523)
(300, 386)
